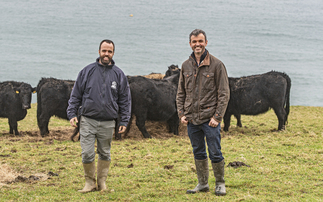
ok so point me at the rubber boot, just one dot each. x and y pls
(89, 174)
(103, 169)
(202, 170)
(218, 170)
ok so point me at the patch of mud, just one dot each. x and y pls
(168, 167)
(57, 133)
(30, 179)
(237, 164)
(9, 176)
(156, 129)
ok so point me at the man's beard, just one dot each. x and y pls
(105, 62)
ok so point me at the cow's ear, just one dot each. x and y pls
(34, 90)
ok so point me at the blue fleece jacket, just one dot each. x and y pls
(102, 92)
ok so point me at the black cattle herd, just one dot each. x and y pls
(152, 99)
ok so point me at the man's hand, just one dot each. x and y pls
(213, 123)
(73, 121)
(122, 129)
(184, 120)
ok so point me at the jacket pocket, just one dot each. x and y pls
(112, 109)
(208, 81)
(88, 108)
(188, 80)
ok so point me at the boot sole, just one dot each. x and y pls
(94, 189)
(218, 194)
(194, 192)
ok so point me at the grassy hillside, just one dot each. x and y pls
(284, 166)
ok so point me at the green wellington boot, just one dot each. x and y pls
(202, 170)
(218, 170)
(89, 174)
(103, 169)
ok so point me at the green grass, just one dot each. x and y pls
(284, 166)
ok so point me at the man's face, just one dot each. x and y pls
(198, 44)
(106, 53)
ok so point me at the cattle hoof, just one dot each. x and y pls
(45, 135)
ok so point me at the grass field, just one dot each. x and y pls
(284, 166)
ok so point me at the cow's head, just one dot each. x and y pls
(173, 69)
(172, 74)
(24, 91)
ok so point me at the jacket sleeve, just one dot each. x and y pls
(223, 92)
(124, 101)
(75, 100)
(181, 95)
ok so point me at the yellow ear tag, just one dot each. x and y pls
(34, 91)
(17, 92)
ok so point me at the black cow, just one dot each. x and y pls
(155, 100)
(173, 69)
(52, 99)
(256, 94)
(15, 99)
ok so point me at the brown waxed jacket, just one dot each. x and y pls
(203, 91)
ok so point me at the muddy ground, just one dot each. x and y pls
(155, 129)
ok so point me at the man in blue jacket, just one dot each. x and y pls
(100, 95)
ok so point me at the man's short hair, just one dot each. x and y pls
(107, 41)
(196, 32)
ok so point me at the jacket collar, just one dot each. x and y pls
(205, 59)
(108, 66)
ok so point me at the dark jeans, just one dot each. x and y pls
(198, 134)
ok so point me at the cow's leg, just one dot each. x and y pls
(238, 117)
(13, 126)
(226, 120)
(140, 122)
(43, 124)
(173, 124)
(10, 127)
(281, 114)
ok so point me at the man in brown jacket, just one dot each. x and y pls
(202, 98)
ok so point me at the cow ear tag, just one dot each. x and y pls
(17, 92)
(34, 91)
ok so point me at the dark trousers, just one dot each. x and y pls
(198, 134)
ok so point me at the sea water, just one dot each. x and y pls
(58, 38)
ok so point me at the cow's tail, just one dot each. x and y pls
(77, 129)
(287, 96)
(128, 126)
(75, 132)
